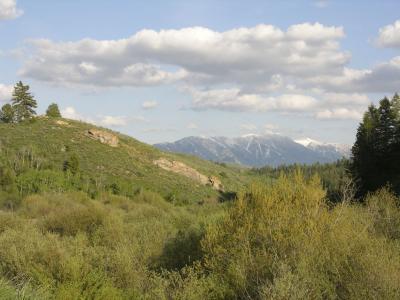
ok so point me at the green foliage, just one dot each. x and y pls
(48, 146)
(23, 102)
(112, 248)
(282, 242)
(274, 242)
(7, 113)
(53, 111)
(385, 209)
(376, 152)
(335, 177)
(72, 164)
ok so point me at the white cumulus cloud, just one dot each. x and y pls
(389, 36)
(301, 69)
(113, 121)
(150, 104)
(9, 10)
(234, 100)
(258, 55)
(339, 113)
(5, 92)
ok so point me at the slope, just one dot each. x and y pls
(39, 151)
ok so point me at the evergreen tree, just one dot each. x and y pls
(23, 102)
(53, 111)
(364, 158)
(7, 114)
(386, 128)
(395, 157)
(376, 152)
(396, 106)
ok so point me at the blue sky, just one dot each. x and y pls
(162, 70)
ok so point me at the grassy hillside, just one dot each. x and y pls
(47, 144)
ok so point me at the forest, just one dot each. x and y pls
(83, 220)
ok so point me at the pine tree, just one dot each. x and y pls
(376, 152)
(364, 159)
(53, 111)
(23, 102)
(386, 128)
(395, 157)
(396, 106)
(7, 114)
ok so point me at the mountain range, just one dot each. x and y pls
(258, 150)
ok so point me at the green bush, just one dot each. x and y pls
(283, 242)
(278, 241)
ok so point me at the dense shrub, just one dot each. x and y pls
(280, 241)
(283, 242)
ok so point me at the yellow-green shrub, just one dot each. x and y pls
(282, 242)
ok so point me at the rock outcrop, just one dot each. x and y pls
(182, 169)
(104, 137)
(62, 123)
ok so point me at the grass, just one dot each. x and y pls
(45, 145)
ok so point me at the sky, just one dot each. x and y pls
(163, 70)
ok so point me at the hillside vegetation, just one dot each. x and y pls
(41, 153)
(276, 242)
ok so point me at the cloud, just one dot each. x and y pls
(247, 56)
(6, 92)
(321, 3)
(270, 128)
(301, 69)
(234, 100)
(113, 121)
(389, 36)
(106, 121)
(339, 114)
(9, 10)
(71, 113)
(192, 126)
(381, 78)
(248, 127)
(320, 104)
(149, 104)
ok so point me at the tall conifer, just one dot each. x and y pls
(23, 102)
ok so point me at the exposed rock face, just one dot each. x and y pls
(215, 183)
(104, 137)
(62, 123)
(182, 169)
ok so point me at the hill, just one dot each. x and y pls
(257, 150)
(40, 152)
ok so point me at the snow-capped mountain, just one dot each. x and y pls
(328, 150)
(257, 150)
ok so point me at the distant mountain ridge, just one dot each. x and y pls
(258, 150)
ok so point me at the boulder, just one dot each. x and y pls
(183, 169)
(62, 123)
(215, 183)
(103, 137)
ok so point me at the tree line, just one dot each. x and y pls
(375, 158)
(23, 105)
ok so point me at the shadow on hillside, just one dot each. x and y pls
(226, 196)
